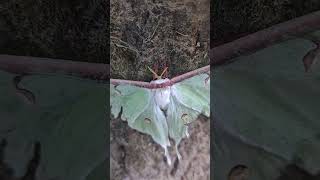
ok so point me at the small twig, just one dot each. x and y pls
(122, 46)
(182, 34)
(126, 45)
(170, 83)
(118, 39)
(154, 31)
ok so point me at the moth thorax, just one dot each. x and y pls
(162, 95)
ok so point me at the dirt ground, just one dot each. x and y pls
(145, 33)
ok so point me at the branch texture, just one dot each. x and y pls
(174, 80)
(36, 65)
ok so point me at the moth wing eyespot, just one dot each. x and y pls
(118, 92)
(239, 172)
(147, 120)
(186, 118)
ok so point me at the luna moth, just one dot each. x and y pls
(163, 108)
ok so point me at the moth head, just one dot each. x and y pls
(158, 77)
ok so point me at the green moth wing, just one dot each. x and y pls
(266, 112)
(189, 99)
(140, 111)
(194, 93)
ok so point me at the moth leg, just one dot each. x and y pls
(177, 151)
(166, 153)
(165, 70)
(155, 75)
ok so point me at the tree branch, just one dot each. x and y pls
(36, 65)
(174, 80)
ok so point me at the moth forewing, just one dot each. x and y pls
(135, 101)
(195, 93)
(188, 97)
(141, 112)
